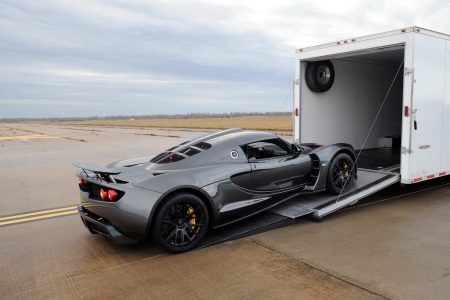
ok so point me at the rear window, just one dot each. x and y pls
(166, 157)
(174, 147)
(203, 145)
(170, 157)
(159, 157)
(190, 151)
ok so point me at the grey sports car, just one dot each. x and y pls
(209, 182)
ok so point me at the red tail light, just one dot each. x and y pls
(112, 195)
(81, 181)
(103, 194)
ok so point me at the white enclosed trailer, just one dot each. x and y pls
(389, 97)
(416, 110)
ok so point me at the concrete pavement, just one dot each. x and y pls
(394, 249)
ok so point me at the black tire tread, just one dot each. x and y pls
(330, 186)
(310, 76)
(179, 197)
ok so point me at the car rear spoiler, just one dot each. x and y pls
(93, 167)
(100, 172)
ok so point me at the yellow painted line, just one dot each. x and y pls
(18, 216)
(71, 212)
(27, 137)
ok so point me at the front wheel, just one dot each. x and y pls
(341, 173)
(181, 223)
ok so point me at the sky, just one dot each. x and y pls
(103, 58)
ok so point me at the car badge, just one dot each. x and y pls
(234, 154)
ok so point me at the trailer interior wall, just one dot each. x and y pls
(346, 111)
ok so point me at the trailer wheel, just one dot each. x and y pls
(341, 173)
(319, 76)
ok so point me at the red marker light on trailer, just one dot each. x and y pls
(103, 194)
(406, 111)
(112, 195)
(296, 111)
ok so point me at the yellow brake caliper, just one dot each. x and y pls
(346, 172)
(192, 221)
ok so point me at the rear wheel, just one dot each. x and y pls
(341, 173)
(181, 223)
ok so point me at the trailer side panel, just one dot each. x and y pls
(445, 161)
(428, 97)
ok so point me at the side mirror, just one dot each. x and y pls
(295, 149)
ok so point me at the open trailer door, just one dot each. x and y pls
(426, 112)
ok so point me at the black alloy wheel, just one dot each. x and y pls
(181, 223)
(341, 174)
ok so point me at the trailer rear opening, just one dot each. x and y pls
(388, 96)
(345, 113)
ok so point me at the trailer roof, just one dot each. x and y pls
(378, 35)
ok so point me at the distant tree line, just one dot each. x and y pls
(158, 116)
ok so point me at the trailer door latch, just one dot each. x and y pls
(414, 118)
(409, 71)
(406, 150)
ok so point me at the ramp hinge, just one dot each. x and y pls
(409, 71)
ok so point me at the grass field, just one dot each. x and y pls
(270, 123)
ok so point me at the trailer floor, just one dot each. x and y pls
(378, 158)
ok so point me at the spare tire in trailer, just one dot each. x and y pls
(319, 76)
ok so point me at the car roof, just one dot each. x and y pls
(235, 135)
(243, 137)
(221, 142)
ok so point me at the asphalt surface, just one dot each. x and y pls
(396, 248)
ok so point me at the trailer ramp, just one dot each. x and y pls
(313, 204)
(321, 204)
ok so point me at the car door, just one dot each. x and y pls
(275, 168)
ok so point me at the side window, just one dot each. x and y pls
(266, 149)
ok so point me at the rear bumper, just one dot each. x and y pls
(99, 225)
(129, 216)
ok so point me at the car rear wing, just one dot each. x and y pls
(101, 173)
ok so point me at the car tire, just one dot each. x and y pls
(181, 223)
(341, 173)
(319, 76)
